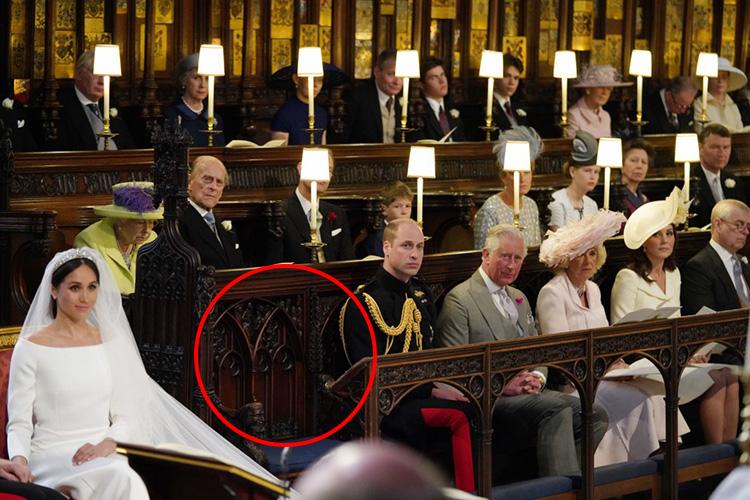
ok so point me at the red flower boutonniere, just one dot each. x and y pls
(332, 217)
(519, 300)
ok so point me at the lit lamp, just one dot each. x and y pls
(407, 66)
(707, 67)
(640, 66)
(609, 155)
(685, 151)
(107, 64)
(310, 65)
(211, 64)
(491, 67)
(565, 67)
(517, 159)
(315, 168)
(421, 165)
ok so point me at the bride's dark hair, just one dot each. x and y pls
(65, 269)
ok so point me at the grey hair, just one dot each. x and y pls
(526, 134)
(85, 61)
(500, 231)
(724, 208)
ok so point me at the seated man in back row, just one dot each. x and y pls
(333, 227)
(486, 308)
(403, 315)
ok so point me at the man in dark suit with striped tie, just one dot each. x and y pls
(201, 229)
(82, 113)
(505, 110)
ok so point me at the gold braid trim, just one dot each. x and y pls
(411, 316)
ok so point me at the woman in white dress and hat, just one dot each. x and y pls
(652, 281)
(720, 108)
(597, 82)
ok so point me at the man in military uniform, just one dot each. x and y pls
(403, 316)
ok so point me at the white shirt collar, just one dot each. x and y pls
(710, 176)
(501, 99)
(383, 97)
(201, 211)
(306, 204)
(724, 254)
(82, 98)
(435, 105)
(491, 285)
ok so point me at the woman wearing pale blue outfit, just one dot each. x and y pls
(498, 208)
(571, 204)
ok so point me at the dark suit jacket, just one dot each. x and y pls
(431, 126)
(705, 282)
(75, 130)
(334, 231)
(658, 119)
(198, 235)
(18, 124)
(705, 202)
(364, 123)
(501, 119)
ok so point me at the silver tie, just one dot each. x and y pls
(738, 282)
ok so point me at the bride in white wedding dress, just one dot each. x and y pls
(78, 385)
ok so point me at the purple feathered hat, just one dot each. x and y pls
(132, 200)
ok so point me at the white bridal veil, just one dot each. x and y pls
(153, 416)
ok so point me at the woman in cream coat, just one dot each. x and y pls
(571, 301)
(652, 280)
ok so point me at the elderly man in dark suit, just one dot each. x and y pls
(82, 112)
(486, 308)
(440, 116)
(333, 227)
(718, 277)
(374, 111)
(505, 111)
(201, 229)
(715, 183)
(670, 111)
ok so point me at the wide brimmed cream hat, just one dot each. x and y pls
(653, 216)
(576, 238)
(737, 79)
(600, 75)
(132, 200)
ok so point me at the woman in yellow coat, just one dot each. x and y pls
(128, 223)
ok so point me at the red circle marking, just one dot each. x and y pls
(347, 419)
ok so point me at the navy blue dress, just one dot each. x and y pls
(194, 123)
(292, 119)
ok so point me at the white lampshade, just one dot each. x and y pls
(491, 65)
(211, 60)
(407, 64)
(640, 62)
(565, 64)
(309, 61)
(686, 148)
(517, 156)
(107, 60)
(708, 64)
(315, 166)
(421, 162)
(609, 153)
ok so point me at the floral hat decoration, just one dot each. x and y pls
(574, 239)
(518, 133)
(132, 200)
(600, 75)
(653, 216)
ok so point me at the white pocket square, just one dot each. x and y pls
(21, 123)
(335, 232)
(236, 246)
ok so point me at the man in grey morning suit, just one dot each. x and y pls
(485, 308)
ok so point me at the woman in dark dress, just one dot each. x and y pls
(189, 107)
(291, 120)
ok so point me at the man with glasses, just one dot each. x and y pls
(716, 183)
(670, 110)
(717, 277)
